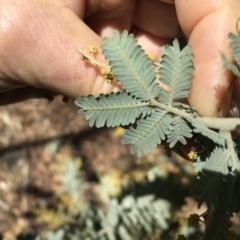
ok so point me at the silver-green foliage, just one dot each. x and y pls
(235, 45)
(175, 69)
(71, 183)
(137, 77)
(144, 104)
(128, 219)
(113, 110)
(156, 114)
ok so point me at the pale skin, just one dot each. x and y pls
(39, 41)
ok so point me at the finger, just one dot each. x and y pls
(154, 17)
(168, 1)
(45, 56)
(104, 18)
(78, 7)
(155, 23)
(206, 25)
(157, 18)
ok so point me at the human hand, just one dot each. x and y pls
(39, 40)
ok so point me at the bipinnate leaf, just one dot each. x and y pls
(179, 132)
(157, 115)
(148, 132)
(113, 110)
(131, 66)
(175, 71)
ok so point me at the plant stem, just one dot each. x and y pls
(225, 124)
(91, 59)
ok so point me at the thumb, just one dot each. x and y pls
(206, 25)
(39, 42)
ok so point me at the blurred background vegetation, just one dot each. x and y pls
(59, 179)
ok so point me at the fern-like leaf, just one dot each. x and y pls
(230, 66)
(199, 127)
(148, 132)
(179, 132)
(132, 68)
(113, 110)
(175, 71)
(235, 43)
(235, 46)
(219, 161)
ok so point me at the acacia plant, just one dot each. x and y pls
(156, 112)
